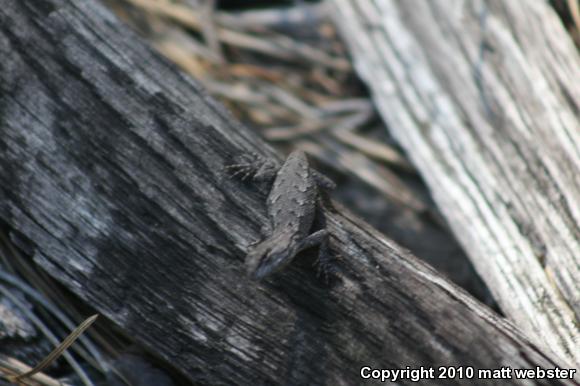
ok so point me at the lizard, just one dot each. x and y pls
(293, 205)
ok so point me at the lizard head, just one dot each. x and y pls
(270, 256)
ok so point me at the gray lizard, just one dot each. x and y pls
(293, 204)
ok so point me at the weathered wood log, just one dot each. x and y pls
(111, 174)
(484, 97)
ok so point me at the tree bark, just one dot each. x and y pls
(112, 169)
(483, 96)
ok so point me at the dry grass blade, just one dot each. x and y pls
(12, 366)
(575, 13)
(57, 352)
(304, 128)
(276, 17)
(209, 28)
(378, 150)
(47, 332)
(291, 102)
(92, 354)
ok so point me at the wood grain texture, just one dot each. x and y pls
(484, 97)
(111, 169)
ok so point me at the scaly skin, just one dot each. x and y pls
(292, 206)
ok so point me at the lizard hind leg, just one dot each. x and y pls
(316, 238)
(324, 182)
(265, 229)
(324, 262)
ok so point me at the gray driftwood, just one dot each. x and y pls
(484, 97)
(111, 175)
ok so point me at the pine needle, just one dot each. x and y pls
(57, 352)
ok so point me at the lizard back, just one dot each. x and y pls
(293, 197)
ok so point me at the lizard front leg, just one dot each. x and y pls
(255, 167)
